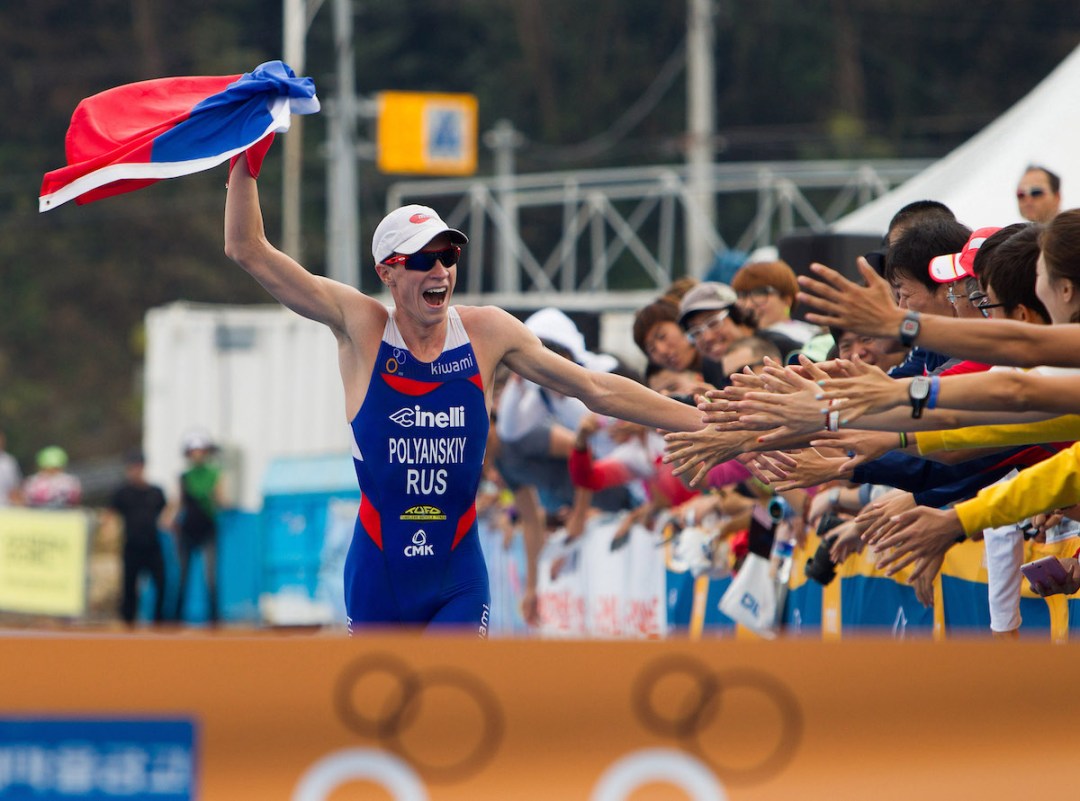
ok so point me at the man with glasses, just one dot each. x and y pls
(957, 272)
(1038, 195)
(418, 382)
(713, 320)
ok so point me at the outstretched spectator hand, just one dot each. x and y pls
(788, 399)
(798, 469)
(869, 391)
(840, 303)
(716, 409)
(860, 446)
(926, 571)
(848, 541)
(795, 399)
(877, 516)
(701, 451)
(920, 534)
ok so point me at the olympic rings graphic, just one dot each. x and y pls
(404, 704)
(700, 708)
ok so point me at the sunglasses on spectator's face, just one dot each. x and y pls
(1035, 191)
(424, 260)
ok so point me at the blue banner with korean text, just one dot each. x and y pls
(57, 759)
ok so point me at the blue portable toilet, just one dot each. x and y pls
(309, 508)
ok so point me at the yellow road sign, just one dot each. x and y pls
(427, 133)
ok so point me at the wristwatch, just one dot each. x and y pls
(909, 329)
(918, 391)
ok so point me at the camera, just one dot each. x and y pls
(820, 567)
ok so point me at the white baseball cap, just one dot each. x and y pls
(198, 440)
(954, 266)
(706, 296)
(407, 229)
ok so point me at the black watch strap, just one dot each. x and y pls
(909, 329)
(918, 393)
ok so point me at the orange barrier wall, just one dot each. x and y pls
(448, 719)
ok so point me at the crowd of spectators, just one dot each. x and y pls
(893, 409)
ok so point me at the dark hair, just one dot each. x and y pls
(1010, 270)
(1052, 177)
(648, 317)
(1060, 243)
(918, 211)
(909, 256)
(985, 254)
(742, 316)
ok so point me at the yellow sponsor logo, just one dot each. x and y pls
(423, 513)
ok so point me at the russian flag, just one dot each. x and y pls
(134, 135)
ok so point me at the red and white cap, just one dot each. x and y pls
(954, 266)
(407, 229)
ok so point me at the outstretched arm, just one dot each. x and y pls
(869, 310)
(603, 393)
(1013, 397)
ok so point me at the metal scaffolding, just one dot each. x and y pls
(573, 236)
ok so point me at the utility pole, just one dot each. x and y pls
(342, 229)
(700, 135)
(504, 140)
(297, 16)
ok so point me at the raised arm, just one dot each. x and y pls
(315, 297)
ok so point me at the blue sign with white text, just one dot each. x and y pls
(97, 760)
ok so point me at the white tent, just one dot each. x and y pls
(978, 180)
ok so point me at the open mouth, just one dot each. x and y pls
(435, 297)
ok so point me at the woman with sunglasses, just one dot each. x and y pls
(418, 382)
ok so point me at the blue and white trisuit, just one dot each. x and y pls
(418, 449)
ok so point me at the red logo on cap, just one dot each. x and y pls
(419, 218)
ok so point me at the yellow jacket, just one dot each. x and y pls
(1050, 484)
(1057, 429)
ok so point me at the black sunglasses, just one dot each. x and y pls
(424, 260)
